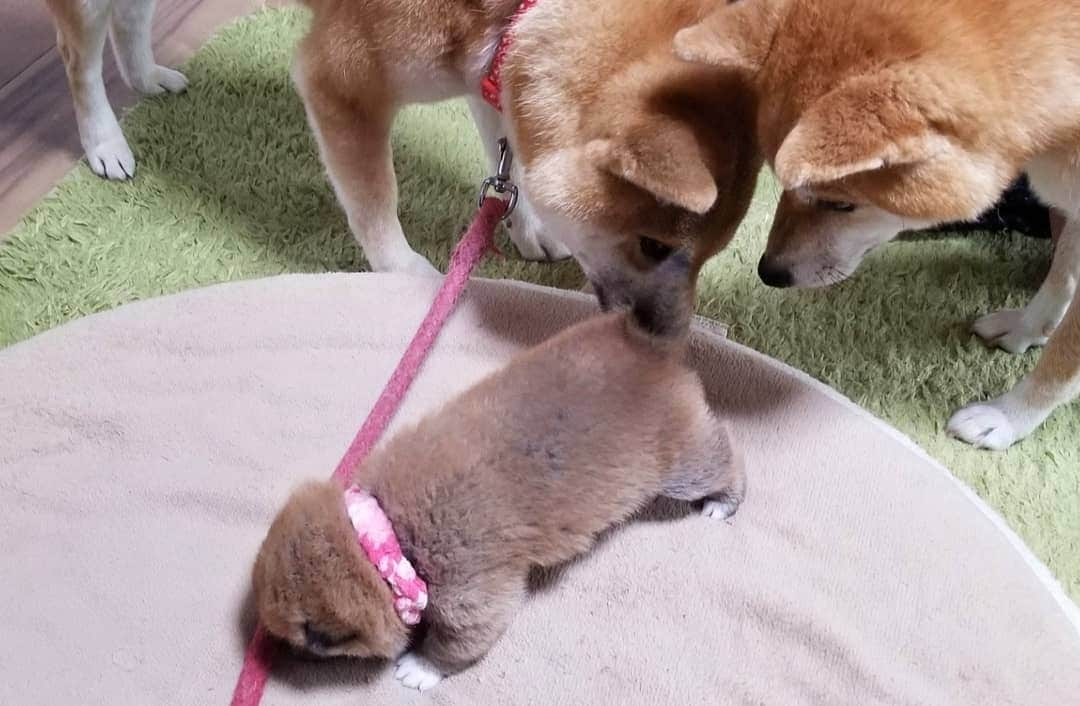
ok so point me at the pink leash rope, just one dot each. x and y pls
(478, 240)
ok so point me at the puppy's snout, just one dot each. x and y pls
(773, 274)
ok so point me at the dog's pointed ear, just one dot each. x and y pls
(735, 36)
(872, 122)
(663, 159)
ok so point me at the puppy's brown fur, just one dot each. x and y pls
(615, 138)
(523, 470)
(879, 117)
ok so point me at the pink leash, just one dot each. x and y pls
(478, 240)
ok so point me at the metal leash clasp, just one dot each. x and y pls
(501, 183)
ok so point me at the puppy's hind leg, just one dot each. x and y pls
(710, 470)
(80, 37)
(129, 27)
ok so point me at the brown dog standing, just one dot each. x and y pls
(524, 469)
(621, 148)
(879, 117)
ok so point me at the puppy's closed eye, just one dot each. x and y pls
(318, 640)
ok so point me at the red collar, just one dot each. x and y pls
(491, 85)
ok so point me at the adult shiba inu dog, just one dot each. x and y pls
(879, 117)
(621, 148)
(81, 27)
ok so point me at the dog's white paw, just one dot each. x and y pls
(719, 509)
(112, 158)
(1010, 330)
(415, 672)
(161, 79)
(983, 426)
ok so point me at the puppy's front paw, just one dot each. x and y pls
(415, 672)
(1010, 330)
(111, 158)
(983, 426)
(719, 509)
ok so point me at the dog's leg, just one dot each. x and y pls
(80, 36)
(525, 228)
(459, 637)
(1016, 330)
(129, 27)
(1054, 381)
(713, 472)
(353, 134)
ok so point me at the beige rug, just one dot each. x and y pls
(143, 452)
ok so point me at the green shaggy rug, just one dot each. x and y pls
(230, 187)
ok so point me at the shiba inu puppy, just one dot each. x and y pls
(879, 117)
(525, 469)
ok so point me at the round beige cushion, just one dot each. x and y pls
(144, 451)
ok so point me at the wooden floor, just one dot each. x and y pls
(39, 142)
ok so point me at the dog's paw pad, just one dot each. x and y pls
(719, 509)
(112, 159)
(415, 672)
(1009, 330)
(983, 426)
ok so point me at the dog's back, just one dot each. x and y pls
(571, 437)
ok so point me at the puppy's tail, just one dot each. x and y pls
(662, 306)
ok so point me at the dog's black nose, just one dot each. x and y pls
(772, 274)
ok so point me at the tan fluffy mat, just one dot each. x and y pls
(143, 452)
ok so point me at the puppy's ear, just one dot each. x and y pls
(736, 36)
(872, 122)
(662, 157)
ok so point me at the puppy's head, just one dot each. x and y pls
(659, 304)
(315, 589)
(865, 141)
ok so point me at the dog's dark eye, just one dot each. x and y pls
(654, 249)
(842, 206)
